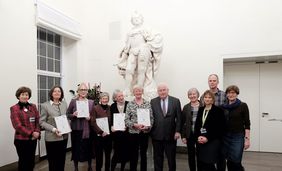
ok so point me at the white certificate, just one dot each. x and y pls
(62, 124)
(103, 124)
(82, 109)
(143, 117)
(119, 124)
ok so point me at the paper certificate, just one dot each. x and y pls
(62, 124)
(119, 124)
(103, 124)
(143, 117)
(82, 109)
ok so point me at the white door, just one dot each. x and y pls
(271, 107)
(261, 88)
(246, 77)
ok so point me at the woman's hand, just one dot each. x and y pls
(104, 134)
(247, 143)
(57, 132)
(177, 135)
(145, 128)
(139, 127)
(202, 140)
(35, 135)
(112, 129)
(75, 114)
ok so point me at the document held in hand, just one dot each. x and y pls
(62, 124)
(143, 117)
(119, 124)
(82, 109)
(103, 124)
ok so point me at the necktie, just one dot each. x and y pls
(164, 107)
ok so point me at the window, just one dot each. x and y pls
(48, 62)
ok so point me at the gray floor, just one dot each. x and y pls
(253, 161)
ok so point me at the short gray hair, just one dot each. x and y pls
(116, 91)
(193, 90)
(103, 94)
(137, 86)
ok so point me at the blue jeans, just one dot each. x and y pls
(233, 150)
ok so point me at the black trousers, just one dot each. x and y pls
(103, 144)
(167, 147)
(234, 166)
(206, 166)
(191, 149)
(221, 164)
(26, 152)
(56, 153)
(138, 145)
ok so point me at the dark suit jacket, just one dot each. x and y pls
(164, 127)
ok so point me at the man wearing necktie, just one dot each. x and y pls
(166, 128)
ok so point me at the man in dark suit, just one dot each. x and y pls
(166, 127)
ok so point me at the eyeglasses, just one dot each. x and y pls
(83, 89)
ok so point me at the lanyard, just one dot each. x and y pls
(204, 117)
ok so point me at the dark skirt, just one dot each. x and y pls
(120, 146)
(209, 152)
(81, 148)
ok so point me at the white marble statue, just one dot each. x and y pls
(140, 58)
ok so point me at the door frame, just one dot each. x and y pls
(251, 61)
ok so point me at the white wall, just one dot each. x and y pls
(197, 35)
(18, 65)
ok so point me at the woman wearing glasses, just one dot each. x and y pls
(80, 125)
(237, 136)
(209, 128)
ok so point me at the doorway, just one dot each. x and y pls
(260, 86)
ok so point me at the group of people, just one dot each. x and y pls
(216, 129)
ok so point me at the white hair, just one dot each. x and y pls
(116, 91)
(193, 90)
(162, 84)
(105, 94)
(137, 86)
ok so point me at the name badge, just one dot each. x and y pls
(203, 130)
(32, 119)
